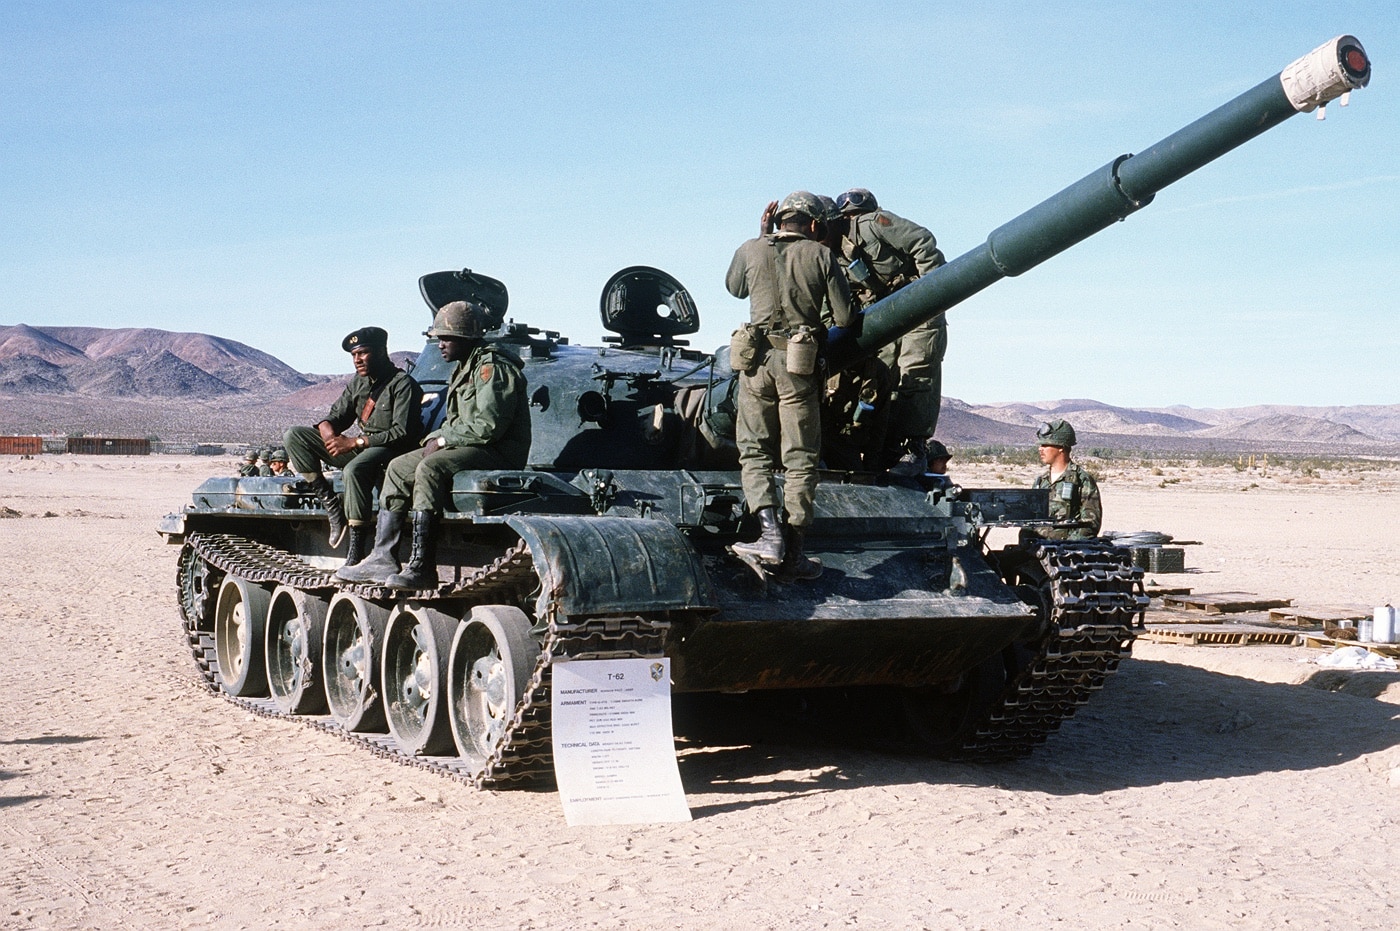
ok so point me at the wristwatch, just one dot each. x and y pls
(361, 442)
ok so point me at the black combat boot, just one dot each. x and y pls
(381, 561)
(335, 514)
(768, 548)
(421, 572)
(797, 567)
(358, 547)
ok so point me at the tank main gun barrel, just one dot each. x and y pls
(1123, 186)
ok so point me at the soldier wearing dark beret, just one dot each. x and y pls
(386, 404)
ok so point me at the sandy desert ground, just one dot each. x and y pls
(1207, 787)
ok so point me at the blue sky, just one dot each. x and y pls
(282, 173)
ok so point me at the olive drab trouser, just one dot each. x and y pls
(415, 482)
(779, 426)
(363, 468)
(916, 359)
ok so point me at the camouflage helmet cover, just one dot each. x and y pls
(250, 456)
(278, 455)
(460, 319)
(832, 211)
(801, 202)
(1056, 433)
(936, 450)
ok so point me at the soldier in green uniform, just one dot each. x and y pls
(881, 253)
(1074, 495)
(486, 426)
(790, 279)
(386, 403)
(264, 466)
(277, 463)
(249, 468)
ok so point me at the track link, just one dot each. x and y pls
(1097, 599)
(524, 756)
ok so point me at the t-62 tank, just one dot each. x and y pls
(613, 543)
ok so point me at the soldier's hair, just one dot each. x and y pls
(798, 223)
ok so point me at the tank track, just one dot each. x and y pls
(1096, 601)
(524, 756)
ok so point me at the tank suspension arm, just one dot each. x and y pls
(1108, 195)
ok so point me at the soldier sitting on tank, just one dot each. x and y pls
(277, 463)
(264, 467)
(386, 403)
(1074, 495)
(486, 426)
(789, 277)
(881, 253)
(249, 468)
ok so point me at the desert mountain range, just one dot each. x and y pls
(197, 387)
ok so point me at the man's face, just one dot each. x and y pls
(1049, 455)
(454, 349)
(363, 357)
(939, 466)
(278, 467)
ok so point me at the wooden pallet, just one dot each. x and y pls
(1157, 591)
(1319, 642)
(1156, 616)
(1224, 602)
(1319, 615)
(1221, 637)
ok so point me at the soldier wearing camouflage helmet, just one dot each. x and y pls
(486, 426)
(791, 280)
(249, 468)
(1074, 495)
(386, 404)
(882, 252)
(277, 462)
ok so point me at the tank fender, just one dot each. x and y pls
(612, 565)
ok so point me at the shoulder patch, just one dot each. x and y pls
(486, 371)
(883, 220)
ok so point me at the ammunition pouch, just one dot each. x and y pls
(746, 347)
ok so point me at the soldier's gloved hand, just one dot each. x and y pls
(436, 445)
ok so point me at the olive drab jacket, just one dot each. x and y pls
(488, 405)
(895, 251)
(1074, 496)
(387, 405)
(791, 281)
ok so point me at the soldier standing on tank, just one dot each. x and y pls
(790, 278)
(486, 426)
(386, 403)
(1074, 495)
(881, 253)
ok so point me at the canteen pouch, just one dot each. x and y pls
(746, 345)
(802, 352)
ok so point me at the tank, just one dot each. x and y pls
(613, 542)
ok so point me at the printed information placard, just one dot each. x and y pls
(614, 747)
